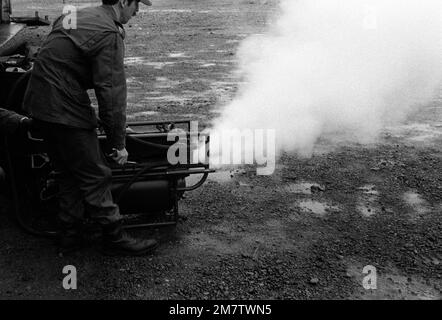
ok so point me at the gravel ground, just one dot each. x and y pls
(305, 232)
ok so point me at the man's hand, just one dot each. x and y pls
(120, 156)
(26, 123)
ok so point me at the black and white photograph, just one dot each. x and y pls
(216, 157)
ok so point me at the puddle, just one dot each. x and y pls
(208, 65)
(315, 207)
(178, 55)
(367, 202)
(145, 61)
(302, 187)
(131, 80)
(166, 83)
(134, 60)
(366, 210)
(158, 65)
(369, 190)
(154, 93)
(415, 201)
(169, 98)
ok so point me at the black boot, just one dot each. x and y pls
(119, 242)
(70, 238)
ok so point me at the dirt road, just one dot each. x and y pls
(305, 232)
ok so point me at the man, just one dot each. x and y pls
(71, 61)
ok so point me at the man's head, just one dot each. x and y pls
(126, 8)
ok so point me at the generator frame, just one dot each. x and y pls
(32, 178)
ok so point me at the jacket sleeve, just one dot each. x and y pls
(109, 82)
(9, 121)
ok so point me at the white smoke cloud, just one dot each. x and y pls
(347, 66)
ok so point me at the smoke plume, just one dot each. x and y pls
(337, 66)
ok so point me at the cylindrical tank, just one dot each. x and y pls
(146, 197)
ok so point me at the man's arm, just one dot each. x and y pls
(109, 81)
(10, 121)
